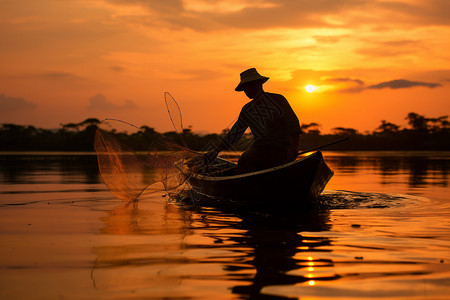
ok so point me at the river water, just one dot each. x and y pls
(386, 234)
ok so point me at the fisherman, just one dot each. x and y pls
(273, 123)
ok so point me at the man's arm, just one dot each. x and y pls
(235, 133)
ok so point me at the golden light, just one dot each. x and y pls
(311, 282)
(310, 88)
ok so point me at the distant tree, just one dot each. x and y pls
(150, 133)
(78, 136)
(173, 136)
(420, 123)
(417, 122)
(89, 122)
(18, 129)
(311, 128)
(344, 131)
(20, 137)
(423, 134)
(69, 127)
(387, 128)
(440, 124)
(148, 130)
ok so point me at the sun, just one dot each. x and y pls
(310, 88)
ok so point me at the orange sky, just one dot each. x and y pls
(64, 61)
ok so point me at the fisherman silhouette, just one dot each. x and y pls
(273, 123)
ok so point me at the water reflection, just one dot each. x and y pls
(276, 249)
(252, 249)
(147, 242)
(71, 168)
(163, 250)
(171, 250)
(135, 218)
(423, 169)
(420, 169)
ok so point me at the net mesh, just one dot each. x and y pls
(130, 162)
(174, 111)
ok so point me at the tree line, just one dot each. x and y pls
(422, 133)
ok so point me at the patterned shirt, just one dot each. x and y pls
(271, 120)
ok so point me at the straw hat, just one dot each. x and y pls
(249, 76)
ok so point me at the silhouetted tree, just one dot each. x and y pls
(417, 122)
(440, 124)
(344, 131)
(311, 128)
(387, 128)
(80, 126)
(424, 134)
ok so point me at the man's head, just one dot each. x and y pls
(251, 82)
(252, 89)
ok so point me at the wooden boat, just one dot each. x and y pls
(297, 183)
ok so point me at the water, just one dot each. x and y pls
(386, 235)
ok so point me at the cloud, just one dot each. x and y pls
(207, 15)
(354, 85)
(117, 68)
(58, 75)
(212, 15)
(391, 48)
(439, 75)
(129, 104)
(202, 74)
(430, 12)
(9, 104)
(360, 80)
(59, 78)
(401, 43)
(402, 84)
(54, 75)
(99, 102)
(343, 79)
(344, 84)
(323, 39)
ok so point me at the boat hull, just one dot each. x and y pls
(296, 183)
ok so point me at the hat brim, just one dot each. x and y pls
(242, 84)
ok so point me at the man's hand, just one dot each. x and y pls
(210, 156)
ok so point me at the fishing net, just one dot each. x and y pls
(174, 111)
(130, 162)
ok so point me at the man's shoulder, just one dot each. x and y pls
(276, 96)
(246, 105)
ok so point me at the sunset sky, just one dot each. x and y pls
(63, 61)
